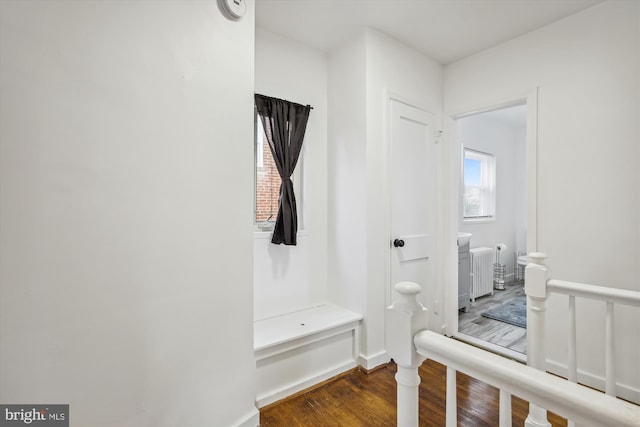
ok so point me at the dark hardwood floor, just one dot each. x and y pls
(369, 400)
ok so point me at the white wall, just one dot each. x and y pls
(360, 74)
(504, 142)
(289, 278)
(393, 67)
(126, 288)
(346, 178)
(586, 68)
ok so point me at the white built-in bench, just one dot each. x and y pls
(297, 350)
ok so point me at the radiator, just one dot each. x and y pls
(481, 272)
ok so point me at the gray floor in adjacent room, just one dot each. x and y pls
(503, 334)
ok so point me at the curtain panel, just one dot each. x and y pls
(284, 124)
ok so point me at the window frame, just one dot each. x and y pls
(296, 178)
(487, 186)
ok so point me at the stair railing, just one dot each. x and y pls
(409, 343)
(538, 287)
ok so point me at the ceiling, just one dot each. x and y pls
(445, 30)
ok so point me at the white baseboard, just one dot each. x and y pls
(289, 389)
(370, 362)
(624, 391)
(251, 419)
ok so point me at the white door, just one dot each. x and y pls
(412, 198)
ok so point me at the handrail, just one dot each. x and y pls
(409, 342)
(601, 293)
(573, 401)
(610, 296)
(538, 286)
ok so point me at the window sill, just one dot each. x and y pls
(479, 220)
(268, 234)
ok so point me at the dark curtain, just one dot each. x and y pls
(284, 124)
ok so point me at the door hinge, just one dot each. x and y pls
(437, 136)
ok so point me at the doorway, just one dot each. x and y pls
(495, 173)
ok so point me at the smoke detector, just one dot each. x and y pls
(233, 9)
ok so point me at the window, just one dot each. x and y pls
(479, 185)
(267, 182)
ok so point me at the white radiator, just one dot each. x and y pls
(481, 272)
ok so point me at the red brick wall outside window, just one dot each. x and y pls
(267, 180)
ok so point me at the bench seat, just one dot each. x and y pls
(297, 350)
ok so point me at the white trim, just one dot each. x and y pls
(390, 94)
(452, 214)
(492, 105)
(289, 389)
(268, 234)
(259, 143)
(532, 171)
(250, 419)
(386, 194)
(493, 348)
(479, 220)
(370, 362)
(624, 391)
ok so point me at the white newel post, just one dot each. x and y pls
(405, 317)
(535, 285)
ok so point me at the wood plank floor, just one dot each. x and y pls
(369, 400)
(494, 331)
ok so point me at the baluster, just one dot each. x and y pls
(505, 409)
(609, 356)
(405, 317)
(408, 383)
(535, 285)
(452, 403)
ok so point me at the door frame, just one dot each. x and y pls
(453, 194)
